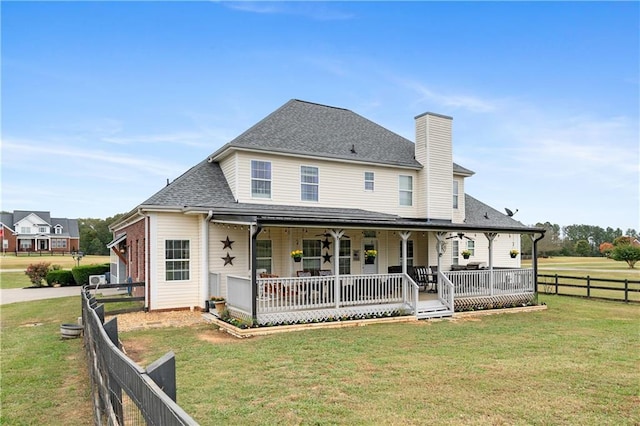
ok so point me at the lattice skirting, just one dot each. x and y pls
(332, 314)
(493, 302)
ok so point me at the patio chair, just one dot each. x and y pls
(420, 275)
(303, 273)
(433, 279)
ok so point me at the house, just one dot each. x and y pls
(366, 208)
(37, 231)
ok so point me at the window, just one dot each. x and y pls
(406, 190)
(309, 183)
(260, 179)
(263, 255)
(43, 230)
(312, 254)
(58, 229)
(58, 243)
(455, 194)
(25, 230)
(471, 246)
(176, 254)
(25, 244)
(409, 252)
(368, 181)
(455, 252)
(344, 263)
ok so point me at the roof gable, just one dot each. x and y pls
(36, 217)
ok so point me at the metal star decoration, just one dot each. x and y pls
(227, 243)
(326, 244)
(228, 260)
(327, 258)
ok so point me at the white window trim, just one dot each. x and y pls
(270, 257)
(401, 190)
(456, 194)
(471, 246)
(270, 180)
(455, 253)
(166, 261)
(372, 181)
(317, 185)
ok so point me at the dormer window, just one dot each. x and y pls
(58, 229)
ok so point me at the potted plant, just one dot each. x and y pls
(513, 253)
(218, 303)
(296, 255)
(466, 253)
(370, 256)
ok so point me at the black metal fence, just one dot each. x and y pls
(124, 393)
(600, 288)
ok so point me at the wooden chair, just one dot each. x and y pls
(303, 273)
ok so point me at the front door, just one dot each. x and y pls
(43, 245)
(370, 263)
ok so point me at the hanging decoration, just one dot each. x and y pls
(327, 258)
(227, 243)
(228, 259)
(326, 244)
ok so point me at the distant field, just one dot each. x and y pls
(10, 261)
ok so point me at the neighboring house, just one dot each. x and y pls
(37, 231)
(336, 186)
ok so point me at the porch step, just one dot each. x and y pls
(432, 309)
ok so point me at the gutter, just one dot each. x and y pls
(534, 261)
(204, 280)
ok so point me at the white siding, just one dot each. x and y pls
(229, 166)
(502, 245)
(459, 213)
(176, 294)
(240, 250)
(341, 184)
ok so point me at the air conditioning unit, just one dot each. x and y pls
(97, 279)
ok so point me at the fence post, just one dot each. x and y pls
(163, 372)
(556, 281)
(626, 290)
(588, 286)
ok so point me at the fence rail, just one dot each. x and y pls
(122, 298)
(584, 287)
(124, 393)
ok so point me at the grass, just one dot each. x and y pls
(14, 280)
(594, 267)
(575, 363)
(8, 261)
(44, 379)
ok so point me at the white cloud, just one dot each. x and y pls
(450, 100)
(313, 10)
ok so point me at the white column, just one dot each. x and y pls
(405, 236)
(490, 236)
(336, 234)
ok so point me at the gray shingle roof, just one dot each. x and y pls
(306, 128)
(481, 215)
(203, 185)
(69, 227)
(18, 215)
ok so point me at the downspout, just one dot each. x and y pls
(534, 261)
(147, 257)
(204, 280)
(254, 280)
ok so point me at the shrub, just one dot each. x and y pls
(60, 276)
(81, 273)
(55, 267)
(37, 272)
(626, 253)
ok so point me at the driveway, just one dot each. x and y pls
(13, 295)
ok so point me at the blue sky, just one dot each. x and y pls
(104, 101)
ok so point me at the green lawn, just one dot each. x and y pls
(9, 261)
(575, 363)
(14, 280)
(44, 379)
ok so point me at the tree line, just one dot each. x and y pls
(95, 234)
(575, 240)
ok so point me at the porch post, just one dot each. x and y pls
(441, 246)
(534, 262)
(336, 234)
(254, 280)
(491, 236)
(405, 236)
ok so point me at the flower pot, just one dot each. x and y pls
(220, 305)
(513, 255)
(370, 260)
(297, 259)
(466, 256)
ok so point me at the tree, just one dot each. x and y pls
(582, 248)
(626, 252)
(606, 249)
(95, 234)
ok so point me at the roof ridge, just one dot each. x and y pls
(319, 104)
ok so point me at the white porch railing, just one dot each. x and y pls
(239, 293)
(304, 293)
(446, 290)
(491, 283)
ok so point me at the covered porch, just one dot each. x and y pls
(294, 291)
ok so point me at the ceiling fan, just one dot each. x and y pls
(459, 235)
(328, 235)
